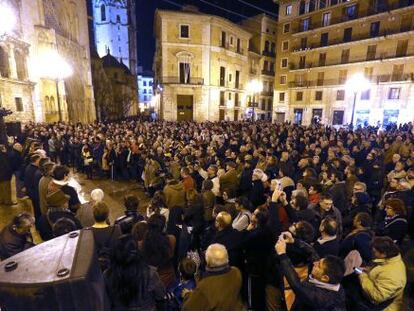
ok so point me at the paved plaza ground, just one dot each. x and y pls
(114, 193)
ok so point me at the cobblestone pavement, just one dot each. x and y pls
(114, 193)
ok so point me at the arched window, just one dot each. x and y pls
(47, 105)
(4, 63)
(20, 64)
(52, 104)
(103, 13)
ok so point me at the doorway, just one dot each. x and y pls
(184, 107)
(298, 116)
(280, 117)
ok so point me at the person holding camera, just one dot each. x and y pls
(322, 290)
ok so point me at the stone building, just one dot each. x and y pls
(114, 27)
(200, 66)
(145, 90)
(324, 43)
(35, 34)
(262, 57)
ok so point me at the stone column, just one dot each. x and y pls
(12, 62)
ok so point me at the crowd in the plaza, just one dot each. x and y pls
(242, 215)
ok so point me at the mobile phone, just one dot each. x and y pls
(358, 270)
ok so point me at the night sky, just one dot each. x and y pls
(146, 10)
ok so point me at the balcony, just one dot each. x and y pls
(334, 22)
(336, 82)
(180, 80)
(383, 57)
(269, 53)
(268, 73)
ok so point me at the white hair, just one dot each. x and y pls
(97, 195)
(216, 255)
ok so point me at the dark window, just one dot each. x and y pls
(401, 48)
(312, 5)
(237, 82)
(321, 78)
(302, 7)
(299, 96)
(238, 46)
(118, 19)
(282, 96)
(267, 44)
(334, 2)
(322, 4)
(286, 28)
(340, 95)
(236, 100)
(324, 39)
(375, 29)
(371, 52)
(302, 62)
(223, 39)
(19, 103)
(318, 95)
(348, 34)
(322, 59)
(284, 63)
(184, 31)
(103, 13)
(338, 117)
(222, 98)
(345, 56)
(304, 43)
(222, 76)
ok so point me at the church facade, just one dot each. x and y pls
(44, 39)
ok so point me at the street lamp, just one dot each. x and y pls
(253, 87)
(355, 84)
(53, 66)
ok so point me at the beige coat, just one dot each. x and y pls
(384, 281)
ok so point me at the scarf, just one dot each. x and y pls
(319, 284)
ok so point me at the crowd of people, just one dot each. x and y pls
(242, 215)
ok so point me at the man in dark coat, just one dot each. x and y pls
(16, 237)
(6, 174)
(229, 237)
(31, 183)
(322, 291)
(338, 191)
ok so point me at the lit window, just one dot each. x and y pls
(184, 31)
(288, 10)
(394, 93)
(365, 95)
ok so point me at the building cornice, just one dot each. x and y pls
(357, 63)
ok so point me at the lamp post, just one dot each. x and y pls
(55, 67)
(355, 84)
(254, 87)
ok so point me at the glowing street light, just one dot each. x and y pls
(53, 66)
(253, 87)
(355, 84)
(7, 19)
